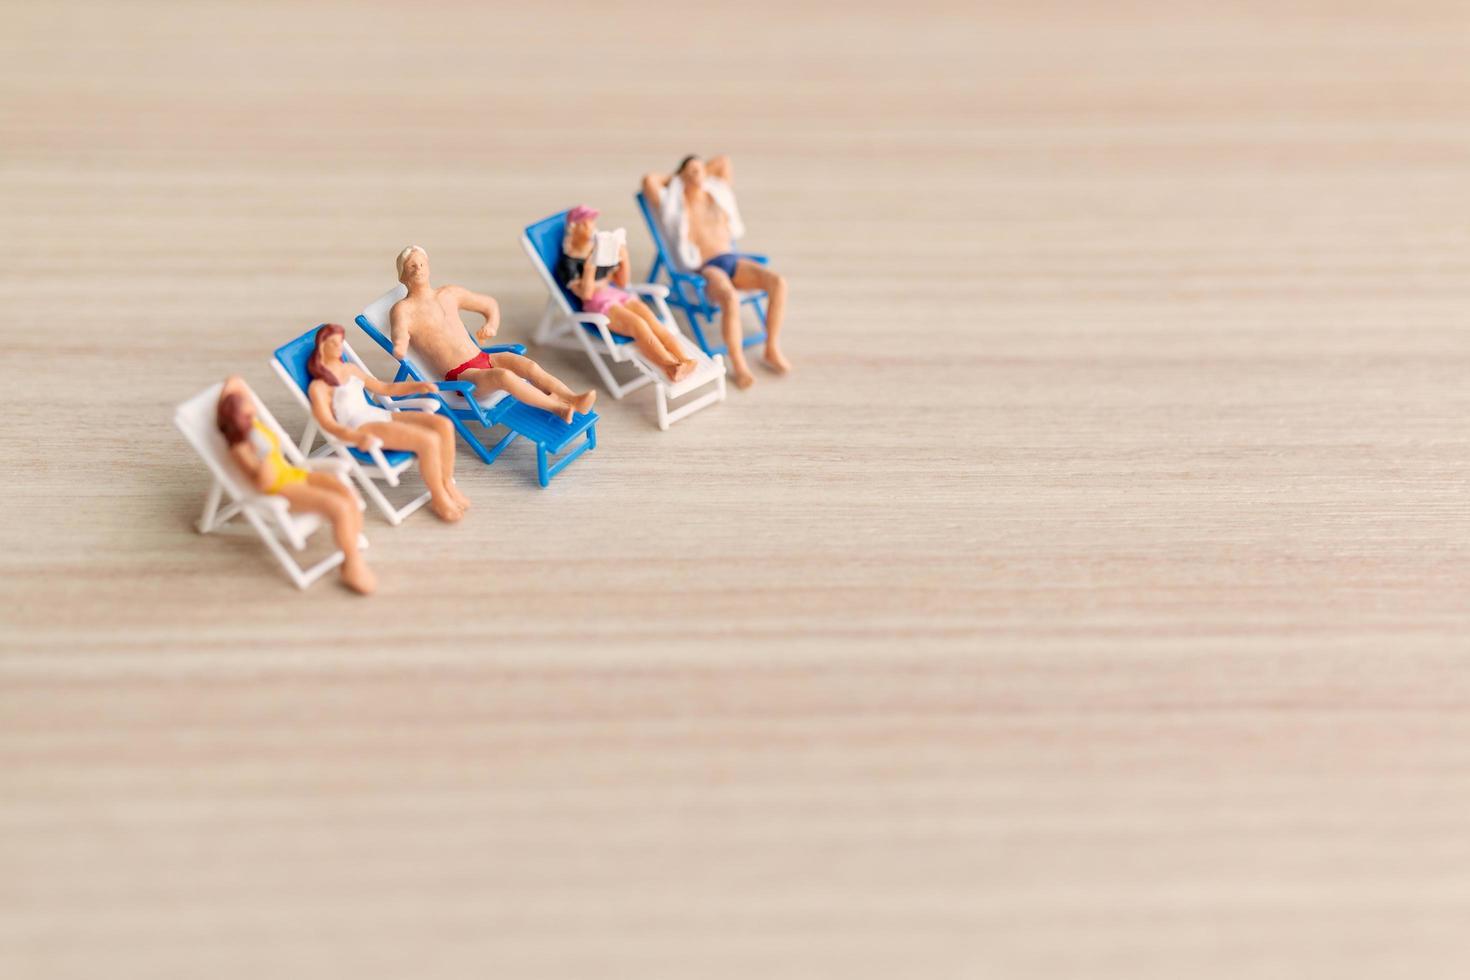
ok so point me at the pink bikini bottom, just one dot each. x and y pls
(605, 297)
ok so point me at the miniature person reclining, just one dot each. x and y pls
(696, 206)
(429, 318)
(600, 288)
(341, 409)
(257, 451)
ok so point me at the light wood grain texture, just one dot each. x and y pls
(1092, 603)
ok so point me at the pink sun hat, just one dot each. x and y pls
(582, 212)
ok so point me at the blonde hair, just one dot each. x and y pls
(403, 257)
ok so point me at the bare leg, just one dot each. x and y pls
(685, 364)
(495, 379)
(753, 275)
(442, 430)
(624, 321)
(324, 494)
(424, 445)
(722, 291)
(534, 373)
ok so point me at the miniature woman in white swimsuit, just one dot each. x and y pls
(341, 409)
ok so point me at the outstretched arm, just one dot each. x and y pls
(394, 389)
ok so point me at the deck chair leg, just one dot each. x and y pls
(308, 437)
(371, 491)
(206, 522)
(549, 316)
(282, 555)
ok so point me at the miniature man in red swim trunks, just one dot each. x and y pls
(429, 318)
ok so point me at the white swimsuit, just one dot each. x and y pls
(350, 405)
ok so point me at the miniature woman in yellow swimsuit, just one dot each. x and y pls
(257, 452)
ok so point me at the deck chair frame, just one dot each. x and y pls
(557, 444)
(231, 496)
(368, 467)
(563, 324)
(687, 293)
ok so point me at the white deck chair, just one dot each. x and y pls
(565, 325)
(369, 466)
(267, 513)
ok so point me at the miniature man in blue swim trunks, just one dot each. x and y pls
(697, 209)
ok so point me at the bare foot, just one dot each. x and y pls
(459, 498)
(743, 378)
(583, 402)
(446, 510)
(565, 413)
(358, 577)
(681, 370)
(776, 361)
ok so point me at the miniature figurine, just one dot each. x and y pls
(696, 204)
(257, 451)
(341, 409)
(579, 269)
(429, 317)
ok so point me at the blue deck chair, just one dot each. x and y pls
(687, 293)
(565, 325)
(552, 437)
(368, 467)
(231, 495)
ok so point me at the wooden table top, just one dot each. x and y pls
(1091, 602)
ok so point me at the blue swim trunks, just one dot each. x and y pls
(725, 263)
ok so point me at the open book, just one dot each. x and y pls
(609, 247)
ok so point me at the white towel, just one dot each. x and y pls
(675, 219)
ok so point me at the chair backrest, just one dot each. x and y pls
(542, 242)
(655, 231)
(197, 420)
(294, 355)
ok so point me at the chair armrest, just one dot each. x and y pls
(505, 349)
(599, 322)
(414, 403)
(467, 389)
(650, 289)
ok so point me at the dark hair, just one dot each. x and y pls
(685, 162)
(230, 416)
(314, 366)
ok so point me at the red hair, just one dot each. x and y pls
(314, 366)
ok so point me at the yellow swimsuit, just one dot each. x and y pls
(286, 474)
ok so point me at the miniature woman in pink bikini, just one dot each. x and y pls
(599, 287)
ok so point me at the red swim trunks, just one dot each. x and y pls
(480, 360)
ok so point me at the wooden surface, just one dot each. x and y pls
(1093, 602)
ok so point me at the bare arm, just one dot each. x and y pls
(399, 329)
(320, 394)
(371, 383)
(479, 303)
(586, 282)
(653, 187)
(622, 273)
(254, 468)
(720, 167)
